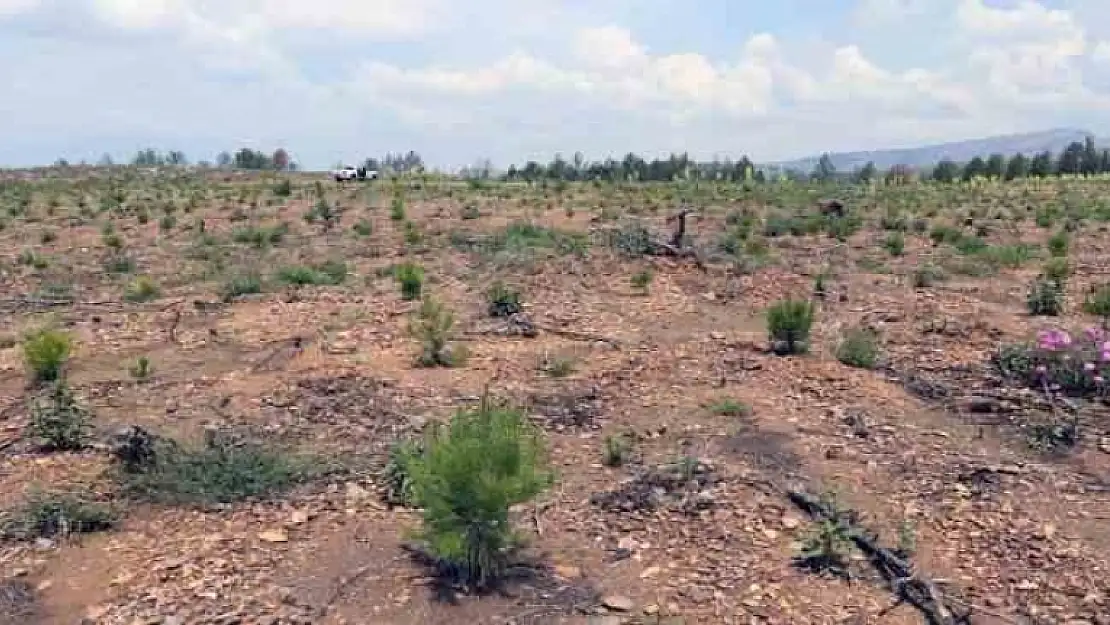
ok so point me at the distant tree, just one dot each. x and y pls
(825, 169)
(247, 158)
(946, 171)
(1091, 160)
(223, 159)
(61, 162)
(280, 159)
(995, 166)
(1071, 159)
(1017, 167)
(974, 168)
(105, 160)
(176, 157)
(866, 174)
(1104, 162)
(899, 175)
(1040, 165)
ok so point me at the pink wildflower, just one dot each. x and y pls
(1056, 339)
(1095, 334)
(1105, 355)
(1099, 379)
(1041, 369)
(1088, 367)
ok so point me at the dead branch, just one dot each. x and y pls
(579, 336)
(908, 584)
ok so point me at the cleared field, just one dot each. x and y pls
(271, 339)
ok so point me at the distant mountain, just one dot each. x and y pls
(960, 151)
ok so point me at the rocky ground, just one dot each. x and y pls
(929, 447)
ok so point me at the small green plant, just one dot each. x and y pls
(284, 188)
(141, 369)
(363, 227)
(858, 347)
(141, 289)
(502, 300)
(474, 470)
(1097, 303)
(927, 275)
(788, 325)
(895, 243)
(1057, 269)
(243, 284)
(616, 450)
(48, 236)
(397, 207)
(728, 407)
(52, 514)
(557, 366)
(412, 235)
(119, 262)
(397, 473)
(907, 539)
(58, 421)
(641, 280)
(1046, 298)
(220, 470)
(1058, 244)
(432, 325)
(167, 223)
(411, 278)
(329, 273)
(825, 548)
(45, 353)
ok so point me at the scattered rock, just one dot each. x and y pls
(274, 536)
(567, 572)
(620, 603)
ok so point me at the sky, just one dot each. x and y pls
(511, 80)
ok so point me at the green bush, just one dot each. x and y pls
(45, 353)
(141, 289)
(641, 280)
(1097, 303)
(471, 473)
(1057, 269)
(1046, 298)
(58, 422)
(219, 471)
(502, 300)
(244, 284)
(432, 326)
(398, 472)
(56, 514)
(927, 276)
(1058, 244)
(859, 347)
(895, 243)
(788, 325)
(411, 278)
(728, 407)
(616, 450)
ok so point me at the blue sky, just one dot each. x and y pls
(338, 80)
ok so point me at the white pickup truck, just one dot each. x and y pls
(353, 173)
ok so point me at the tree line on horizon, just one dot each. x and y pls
(1078, 158)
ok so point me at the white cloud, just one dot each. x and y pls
(511, 77)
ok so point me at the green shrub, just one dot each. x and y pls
(616, 450)
(329, 273)
(141, 289)
(557, 366)
(218, 471)
(397, 208)
(502, 300)
(56, 514)
(1057, 269)
(398, 472)
(58, 422)
(1097, 303)
(926, 276)
(895, 243)
(45, 353)
(728, 407)
(244, 284)
(859, 347)
(641, 280)
(1058, 244)
(363, 227)
(432, 325)
(1046, 298)
(284, 188)
(411, 278)
(141, 369)
(472, 472)
(788, 325)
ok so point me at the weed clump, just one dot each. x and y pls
(470, 474)
(411, 278)
(45, 353)
(58, 421)
(502, 300)
(1046, 298)
(859, 347)
(788, 325)
(50, 514)
(221, 470)
(432, 325)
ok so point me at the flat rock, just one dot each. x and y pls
(274, 536)
(620, 603)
